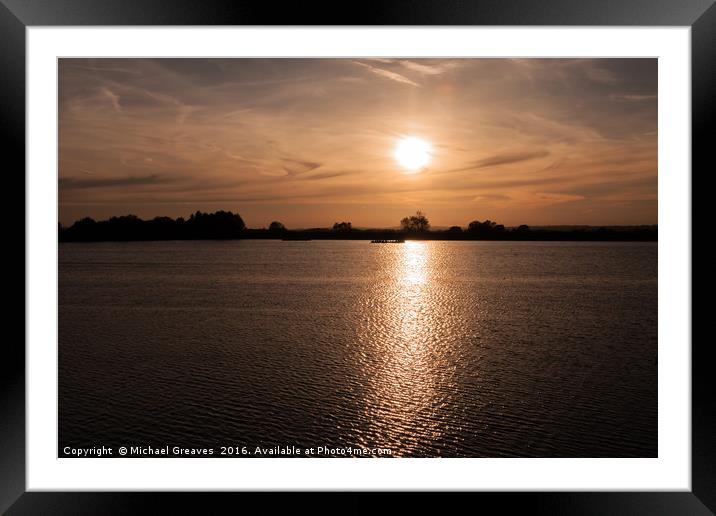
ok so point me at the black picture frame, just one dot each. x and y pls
(17, 15)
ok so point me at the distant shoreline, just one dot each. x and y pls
(588, 235)
(225, 225)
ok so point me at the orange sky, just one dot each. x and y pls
(310, 141)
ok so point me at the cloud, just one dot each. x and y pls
(602, 75)
(519, 182)
(492, 197)
(513, 157)
(503, 159)
(275, 173)
(295, 166)
(73, 183)
(632, 98)
(428, 69)
(112, 97)
(106, 69)
(387, 74)
(555, 197)
(328, 175)
(607, 186)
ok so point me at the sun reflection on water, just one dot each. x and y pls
(404, 350)
(412, 269)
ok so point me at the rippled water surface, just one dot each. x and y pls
(427, 348)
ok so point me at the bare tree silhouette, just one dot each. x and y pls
(415, 223)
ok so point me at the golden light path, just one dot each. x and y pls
(408, 386)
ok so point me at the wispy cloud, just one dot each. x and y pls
(510, 157)
(387, 74)
(112, 97)
(296, 166)
(632, 98)
(492, 197)
(110, 69)
(602, 75)
(73, 183)
(428, 69)
(328, 175)
(502, 159)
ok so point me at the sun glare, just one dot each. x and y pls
(413, 153)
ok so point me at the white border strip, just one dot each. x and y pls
(670, 471)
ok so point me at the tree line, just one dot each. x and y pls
(419, 223)
(228, 225)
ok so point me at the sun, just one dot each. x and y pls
(413, 153)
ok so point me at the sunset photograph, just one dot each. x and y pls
(391, 257)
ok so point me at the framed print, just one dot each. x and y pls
(452, 239)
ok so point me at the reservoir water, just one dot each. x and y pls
(452, 349)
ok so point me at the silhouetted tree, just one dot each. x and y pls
(162, 228)
(342, 226)
(522, 228)
(219, 225)
(277, 226)
(485, 228)
(85, 222)
(415, 223)
(455, 229)
(481, 227)
(85, 229)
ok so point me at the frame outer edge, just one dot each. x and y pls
(366, 12)
(703, 120)
(12, 127)
(12, 357)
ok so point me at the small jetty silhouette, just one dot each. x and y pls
(394, 241)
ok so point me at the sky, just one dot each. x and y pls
(310, 142)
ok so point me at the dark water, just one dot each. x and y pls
(451, 349)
